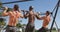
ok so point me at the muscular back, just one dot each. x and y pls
(13, 18)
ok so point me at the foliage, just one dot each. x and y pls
(2, 21)
(18, 25)
(0, 4)
(54, 28)
(0, 13)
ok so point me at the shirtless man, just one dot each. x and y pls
(46, 20)
(31, 19)
(13, 18)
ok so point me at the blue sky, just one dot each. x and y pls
(39, 6)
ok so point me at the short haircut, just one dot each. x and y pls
(16, 7)
(30, 8)
(48, 12)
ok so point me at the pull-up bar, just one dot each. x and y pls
(16, 1)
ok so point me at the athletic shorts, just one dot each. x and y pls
(30, 28)
(10, 29)
(43, 29)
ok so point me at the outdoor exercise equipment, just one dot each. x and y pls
(55, 9)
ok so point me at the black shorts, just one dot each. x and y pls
(43, 29)
(30, 28)
(10, 29)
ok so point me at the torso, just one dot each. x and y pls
(46, 21)
(13, 18)
(31, 17)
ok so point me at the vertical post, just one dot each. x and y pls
(55, 16)
(57, 26)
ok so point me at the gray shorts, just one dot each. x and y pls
(43, 29)
(10, 29)
(30, 28)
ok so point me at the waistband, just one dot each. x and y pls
(11, 26)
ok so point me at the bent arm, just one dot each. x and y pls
(21, 15)
(39, 17)
(26, 15)
(5, 13)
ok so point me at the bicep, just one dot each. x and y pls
(5, 14)
(20, 15)
(38, 17)
(27, 15)
(41, 18)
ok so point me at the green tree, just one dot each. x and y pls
(0, 14)
(19, 24)
(54, 28)
(2, 23)
(0, 4)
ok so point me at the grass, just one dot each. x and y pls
(54, 31)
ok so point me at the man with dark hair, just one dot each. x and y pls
(31, 19)
(46, 20)
(13, 18)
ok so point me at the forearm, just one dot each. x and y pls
(25, 16)
(4, 13)
(37, 17)
(22, 16)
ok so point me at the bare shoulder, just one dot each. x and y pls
(10, 12)
(18, 12)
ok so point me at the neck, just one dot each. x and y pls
(30, 10)
(47, 15)
(15, 10)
